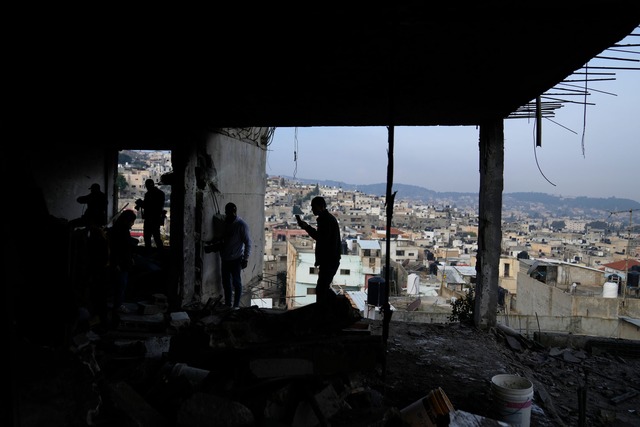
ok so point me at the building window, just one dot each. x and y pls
(313, 270)
(372, 262)
(367, 252)
(311, 291)
(506, 270)
(399, 253)
(345, 272)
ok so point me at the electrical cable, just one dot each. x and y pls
(584, 111)
(535, 154)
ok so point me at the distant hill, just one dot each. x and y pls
(558, 204)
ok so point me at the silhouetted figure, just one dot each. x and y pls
(328, 247)
(96, 210)
(153, 213)
(234, 254)
(121, 251)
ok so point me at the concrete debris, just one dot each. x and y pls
(310, 366)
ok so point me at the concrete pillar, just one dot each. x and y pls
(490, 227)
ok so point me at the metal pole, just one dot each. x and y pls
(386, 308)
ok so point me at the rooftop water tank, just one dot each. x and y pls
(633, 279)
(376, 291)
(610, 290)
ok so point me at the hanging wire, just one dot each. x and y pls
(561, 125)
(584, 108)
(535, 154)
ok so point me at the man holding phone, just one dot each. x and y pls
(328, 247)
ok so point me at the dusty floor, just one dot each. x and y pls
(462, 360)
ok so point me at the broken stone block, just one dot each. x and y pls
(179, 320)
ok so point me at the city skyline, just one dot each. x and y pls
(593, 153)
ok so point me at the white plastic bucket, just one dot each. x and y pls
(512, 398)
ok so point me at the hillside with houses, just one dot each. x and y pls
(552, 266)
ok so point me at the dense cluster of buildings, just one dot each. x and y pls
(432, 257)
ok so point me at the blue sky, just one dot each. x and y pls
(446, 158)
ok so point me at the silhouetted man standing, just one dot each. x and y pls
(328, 247)
(96, 212)
(153, 213)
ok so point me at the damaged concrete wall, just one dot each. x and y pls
(572, 325)
(228, 166)
(552, 309)
(535, 297)
(568, 274)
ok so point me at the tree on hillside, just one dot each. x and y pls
(121, 182)
(599, 225)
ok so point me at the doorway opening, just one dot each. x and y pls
(135, 167)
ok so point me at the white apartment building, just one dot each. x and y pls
(302, 277)
(574, 226)
(370, 254)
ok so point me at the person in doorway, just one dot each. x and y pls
(95, 213)
(328, 247)
(152, 212)
(235, 252)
